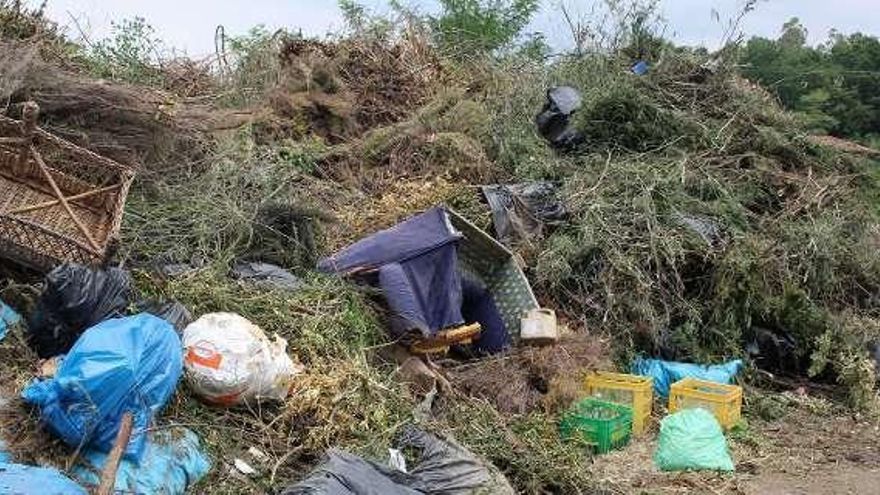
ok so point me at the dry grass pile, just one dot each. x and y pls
(444, 138)
(20, 428)
(385, 79)
(544, 379)
(310, 96)
(364, 214)
(389, 81)
(189, 78)
(688, 239)
(138, 126)
(341, 89)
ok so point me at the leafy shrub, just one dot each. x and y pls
(468, 26)
(130, 54)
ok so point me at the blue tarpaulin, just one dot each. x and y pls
(172, 462)
(30, 480)
(121, 365)
(8, 317)
(417, 266)
(665, 373)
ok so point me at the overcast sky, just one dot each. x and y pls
(189, 25)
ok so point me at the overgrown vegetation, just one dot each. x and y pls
(703, 215)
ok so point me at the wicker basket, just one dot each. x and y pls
(58, 202)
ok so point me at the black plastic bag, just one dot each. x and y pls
(774, 351)
(447, 468)
(342, 473)
(554, 121)
(171, 311)
(76, 298)
(520, 211)
(444, 468)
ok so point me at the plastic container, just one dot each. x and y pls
(538, 326)
(724, 401)
(604, 426)
(634, 391)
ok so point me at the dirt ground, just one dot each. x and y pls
(808, 447)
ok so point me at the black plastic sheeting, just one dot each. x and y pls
(554, 121)
(774, 351)
(521, 211)
(266, 275)
(444, 468)
(171, 311)
(76, 298)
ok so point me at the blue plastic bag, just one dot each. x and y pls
(172, 461)
(640, 68)
(4, 456)
(120, 365)
(31, 480)
(8, 317)
(665, 373)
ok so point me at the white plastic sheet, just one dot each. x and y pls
(229, 361)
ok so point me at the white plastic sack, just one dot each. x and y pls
(229, 360)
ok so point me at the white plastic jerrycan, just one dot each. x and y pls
(538, 326)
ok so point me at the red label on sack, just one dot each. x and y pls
(204, 353)
(224, 400)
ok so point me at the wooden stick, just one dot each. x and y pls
(15, 141)
(48, 175)
(28, 125)
(48, 204)
(108, 475)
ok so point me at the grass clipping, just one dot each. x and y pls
(687, 241)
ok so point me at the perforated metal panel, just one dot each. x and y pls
(494, 265)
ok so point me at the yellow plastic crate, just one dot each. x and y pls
(724, 401)
(636, 392)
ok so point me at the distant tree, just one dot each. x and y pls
(535, 47)
(481, 25)
(361, 22)
(835, 86)
(794, 34)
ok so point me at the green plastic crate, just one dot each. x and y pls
(604, 426)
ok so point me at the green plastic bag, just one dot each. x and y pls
(692, 439)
